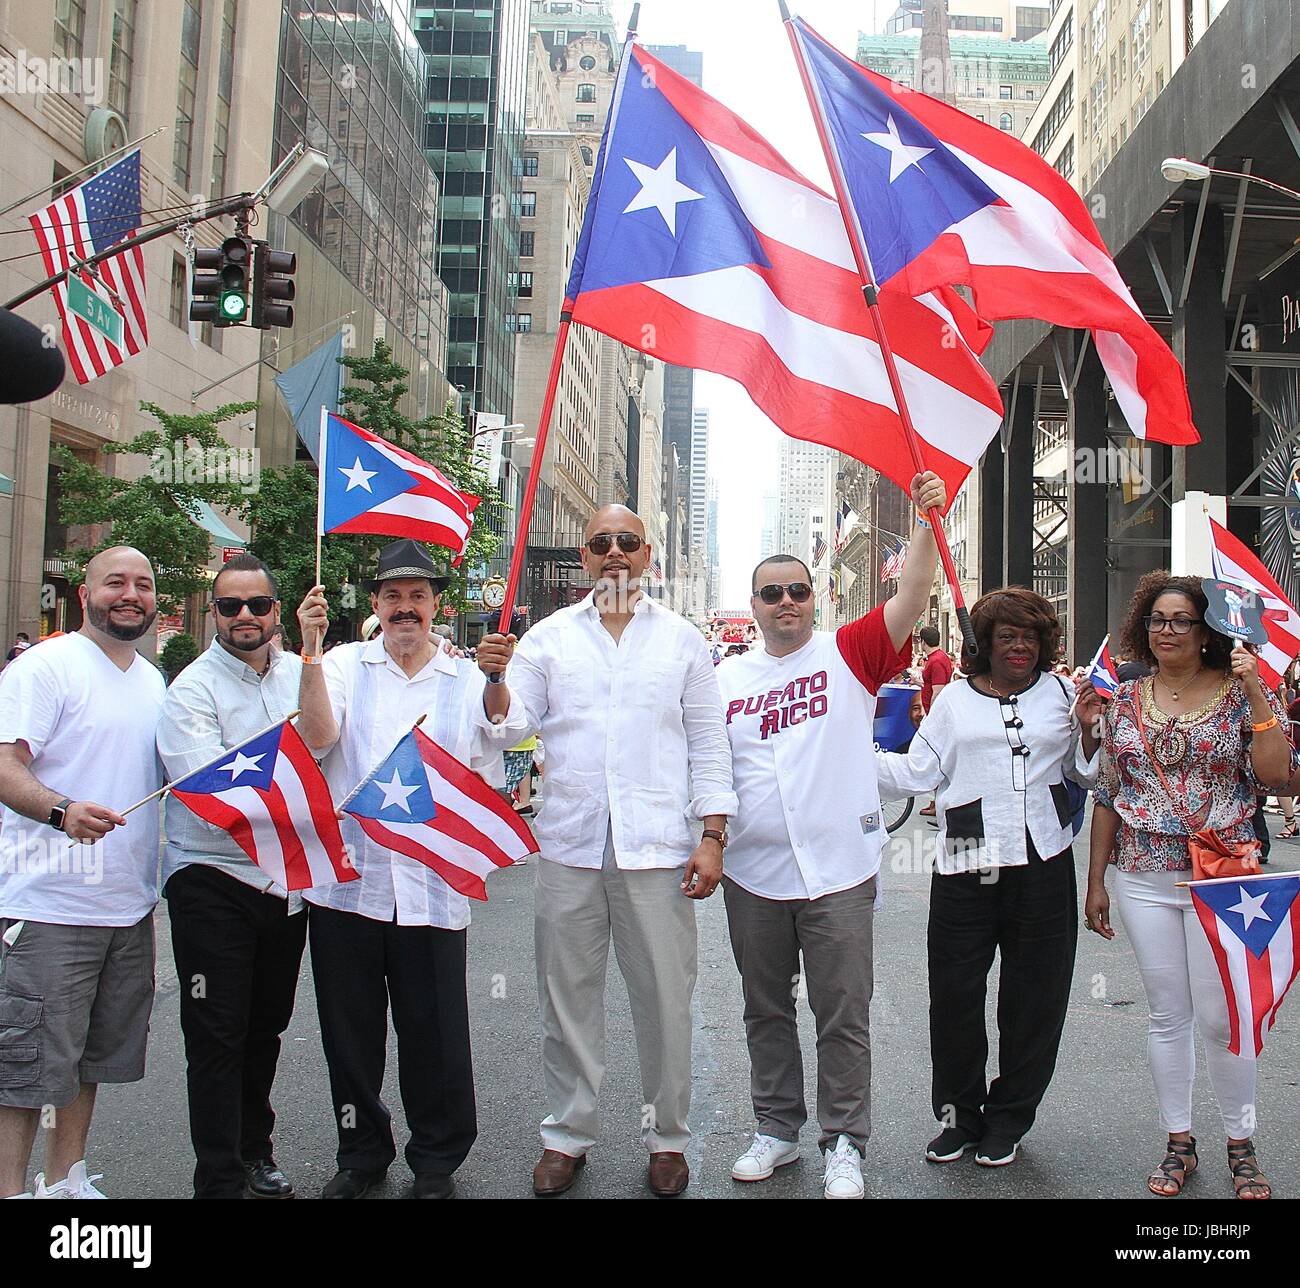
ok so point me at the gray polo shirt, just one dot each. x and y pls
(216, 703)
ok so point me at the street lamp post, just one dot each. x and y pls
(1180, 169)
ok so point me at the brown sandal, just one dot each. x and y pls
(1246, 1175)
(1178, 1165)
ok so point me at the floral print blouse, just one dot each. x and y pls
(1205, 755)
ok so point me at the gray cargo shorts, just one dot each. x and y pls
(74, 1008)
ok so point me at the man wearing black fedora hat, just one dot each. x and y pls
(396, 937)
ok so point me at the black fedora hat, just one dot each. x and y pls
(407, 558)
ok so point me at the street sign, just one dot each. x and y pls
(229, 552)
(94, 310)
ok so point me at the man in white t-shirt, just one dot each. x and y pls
(804, 851)
(78, 880)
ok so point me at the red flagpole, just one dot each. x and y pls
(534, 474)
(870, 294)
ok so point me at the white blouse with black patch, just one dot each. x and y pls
(997, 767)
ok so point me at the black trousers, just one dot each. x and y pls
(1030, 915)
(361, 968)
(237, 955)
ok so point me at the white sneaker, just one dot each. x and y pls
(19, 1196)
(843, 1171)
(763, 1157)
(76, 1185)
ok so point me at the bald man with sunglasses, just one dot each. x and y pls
(805, 852)
(624, 693)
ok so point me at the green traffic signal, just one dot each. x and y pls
(233, 305)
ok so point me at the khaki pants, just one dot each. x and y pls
(652, 924)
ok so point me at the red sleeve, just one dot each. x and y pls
(868, 651)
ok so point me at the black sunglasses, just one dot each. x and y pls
(229, 606)
(800, 592)
(628, 542)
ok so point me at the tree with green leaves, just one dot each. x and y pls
(186, 460)
(283, 512)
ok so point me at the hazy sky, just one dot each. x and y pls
(749, 67)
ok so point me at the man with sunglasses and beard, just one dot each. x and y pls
(232, 926)
(804, 855)
(624, 693)
(78, 880)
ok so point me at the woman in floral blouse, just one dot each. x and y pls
(1220, 739)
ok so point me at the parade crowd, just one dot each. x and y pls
(667, 776)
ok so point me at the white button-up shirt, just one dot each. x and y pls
(375, 705)
(636, 744)
(997, 769)
(216, 703)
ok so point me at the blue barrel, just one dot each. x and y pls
(893, 723)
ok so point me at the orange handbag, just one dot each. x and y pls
(1210, 854)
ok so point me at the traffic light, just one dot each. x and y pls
(273, 287)
(220, 289)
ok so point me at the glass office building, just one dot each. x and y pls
(473, 133)
(351, 84)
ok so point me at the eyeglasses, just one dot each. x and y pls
(229, 606)
(628, 542)
(799, 591)
(1179, 625)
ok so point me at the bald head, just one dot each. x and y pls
(116, 559)
(614, 518)
(118, 597)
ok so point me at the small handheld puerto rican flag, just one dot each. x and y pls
(422, 802)
(368, 484)
(1253, 925)
(1101, 671)
(271, 796)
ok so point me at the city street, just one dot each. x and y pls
(1097, 1135)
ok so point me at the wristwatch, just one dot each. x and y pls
(712, 834)
(59, 814)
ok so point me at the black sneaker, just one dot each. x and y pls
(996, 1151)
(949, 1145)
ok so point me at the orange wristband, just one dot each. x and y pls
(1268, 724)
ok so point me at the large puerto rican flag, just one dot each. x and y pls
(1234, 562)
(703, 247)
(422, 802)
(368, 484)
(1253, 925)
(941, 198)
(271, 796)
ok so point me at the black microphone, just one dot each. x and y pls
(29, 368)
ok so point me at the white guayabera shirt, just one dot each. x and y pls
(636, 744)
(375, 705)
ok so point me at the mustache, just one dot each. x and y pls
(404, 617)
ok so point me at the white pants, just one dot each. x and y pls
(1183, 989)
(652, 924)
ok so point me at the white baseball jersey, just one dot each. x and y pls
(803, 761)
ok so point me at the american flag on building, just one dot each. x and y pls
(892, 565)
(92, 217)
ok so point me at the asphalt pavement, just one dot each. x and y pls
(1097, 1134)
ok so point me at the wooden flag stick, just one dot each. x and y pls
(370, 777)
(166, 787)
(1252, 876)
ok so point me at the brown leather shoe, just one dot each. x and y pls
(668, 1174)
(555, 1172)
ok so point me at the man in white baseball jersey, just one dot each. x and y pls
(804, 853)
